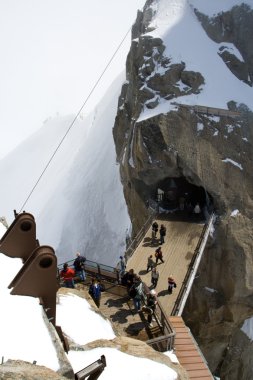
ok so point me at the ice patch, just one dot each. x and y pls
(233, 163)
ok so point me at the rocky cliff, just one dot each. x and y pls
(201, 148)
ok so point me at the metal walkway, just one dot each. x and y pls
(182, 251)
(183, 237)
(180, 242)
(188, 352)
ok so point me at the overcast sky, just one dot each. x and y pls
(52, 53)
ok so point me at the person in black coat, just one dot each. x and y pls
(79, 266)
(162, 233)
(155, 228)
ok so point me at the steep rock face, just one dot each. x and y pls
(233, 27)
(214, 152)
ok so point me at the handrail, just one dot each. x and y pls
(209, 110)
(134, 243)
(163, 342)
(190, 275)
(169, 333)
(96, 269)
(89, 262)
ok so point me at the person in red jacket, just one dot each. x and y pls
(68, 274)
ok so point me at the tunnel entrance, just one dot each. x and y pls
(177, 194)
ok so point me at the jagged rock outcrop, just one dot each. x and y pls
(209, 151)
(233, 27)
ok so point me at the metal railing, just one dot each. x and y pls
(163, 342)
(209, 110)
(110, 279)
(137, 239)
(96, 270)
(190, 275)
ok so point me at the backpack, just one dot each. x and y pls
(132, 292)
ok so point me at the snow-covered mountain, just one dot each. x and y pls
(185, 117)
(192, 53)
(78, 203)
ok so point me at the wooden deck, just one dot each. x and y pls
(180, 242)
(188, 353)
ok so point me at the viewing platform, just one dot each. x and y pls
(181, 239)
(182, 251)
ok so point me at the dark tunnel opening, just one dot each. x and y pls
(177, 194)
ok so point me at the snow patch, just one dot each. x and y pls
(200, 127)
(247, 328)
(230, 48)
(234, 213)
(233, 162)
(230, 128)
(211, 290)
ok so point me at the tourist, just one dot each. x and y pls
(153, 237)
(197, 211)
(150, 263)
(162, 233)
(171, 284)
(159, 255)
(95, 290)
(79, 266)
(155, 227)
(136, 292)
(68, 274)
(128, 279)
(151, 306)
(154, 277)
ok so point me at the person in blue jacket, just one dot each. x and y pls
(95, 290)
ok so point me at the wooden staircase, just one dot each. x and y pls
(187, 351)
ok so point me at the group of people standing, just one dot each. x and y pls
(162, 232)
(143, 296)
(151, 264)
(137, 289)
(70, 275)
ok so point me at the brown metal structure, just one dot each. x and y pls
(93, 371)
(38, 276)
(20, 238)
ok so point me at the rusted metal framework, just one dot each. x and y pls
(38, 275)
